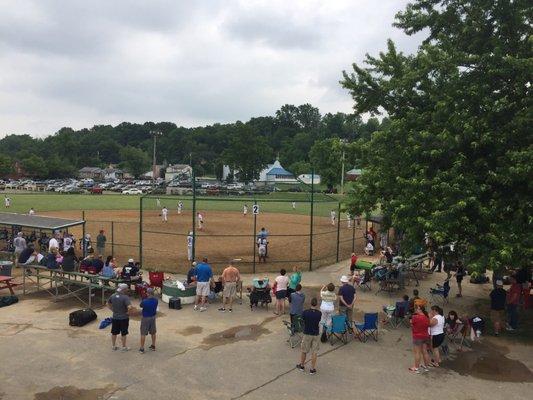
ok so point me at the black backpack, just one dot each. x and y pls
(8, 300)
(81, 317)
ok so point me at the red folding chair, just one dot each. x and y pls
(156, 279)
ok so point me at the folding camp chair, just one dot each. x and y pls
(366, 282)
(156, 279)
(295, 331)
(368, 328)
(338, 329)
(440, 291)
(399, 315)
(459, 335)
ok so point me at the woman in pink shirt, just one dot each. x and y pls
(282, 281)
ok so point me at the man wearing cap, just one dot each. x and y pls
(498, 297)
(346, 298)
(230, 278)
(149, 311)
(130, 271)
(120, 304)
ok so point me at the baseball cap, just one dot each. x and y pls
(121, 287)
(344, 279)
(499, 282)
(131, 260)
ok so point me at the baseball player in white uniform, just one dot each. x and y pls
(294, 205)
(245, 210)
(158, 202)
(31, 212)
(190, 240)
(262, 248)
(333, 217)
(164, 214)
(200, 218)
(7, 202)
(180, 206)
(349, 220)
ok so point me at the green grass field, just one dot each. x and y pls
(274, 202)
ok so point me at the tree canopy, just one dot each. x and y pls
(290, 133)
(455, 158)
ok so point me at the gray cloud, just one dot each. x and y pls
(80, 63)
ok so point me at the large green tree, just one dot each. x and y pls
(455, 160)
(247, 153)
(134, 160)
(6, 165)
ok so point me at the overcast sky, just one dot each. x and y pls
(81, 63)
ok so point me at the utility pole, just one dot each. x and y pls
(343, 142)
(155, 134)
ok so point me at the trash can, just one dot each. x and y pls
(5, 268)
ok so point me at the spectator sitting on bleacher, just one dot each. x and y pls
(131, 271)
(26, 254)
(50, 260)
(98, 263)
(108, 271)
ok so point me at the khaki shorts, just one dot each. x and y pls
(496, 316)
(202, 289)
(148, 326)
(311, 344)
(230, 290)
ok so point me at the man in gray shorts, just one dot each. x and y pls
(149, 311)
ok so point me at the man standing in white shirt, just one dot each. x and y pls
(190, 241)
(164, 214)
(53, 243)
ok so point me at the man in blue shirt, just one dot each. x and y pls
(204, 274)
(346, 298)
(311, 339)
(149, 311)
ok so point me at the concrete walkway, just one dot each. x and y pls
(242, 355)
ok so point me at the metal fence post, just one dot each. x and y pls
(338, 230)
(193, 215)
(253, 235)
(82, 241)
(113, 238)
(141, 230)
(311, 225)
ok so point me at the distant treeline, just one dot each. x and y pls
(299, 135)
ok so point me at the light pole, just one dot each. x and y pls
(343, 142)
(154, 134)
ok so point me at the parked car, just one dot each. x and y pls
(96, 190)
(132, 191)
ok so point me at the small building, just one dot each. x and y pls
(178, 171)
(308, 179)
(272, 173)
(91, 173)
(111, 173)
(353, 174)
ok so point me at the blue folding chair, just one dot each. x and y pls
(338, 329)
(368, 328)
(441, 291)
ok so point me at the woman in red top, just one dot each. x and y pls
(353, 261)
(420, 330)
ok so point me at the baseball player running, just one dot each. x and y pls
(180, 206)
(200, 218)
(7, 202)
(333, 217)
(245, 210)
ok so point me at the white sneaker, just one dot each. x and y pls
(202, 309)
(195, 307)
(125, 349)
